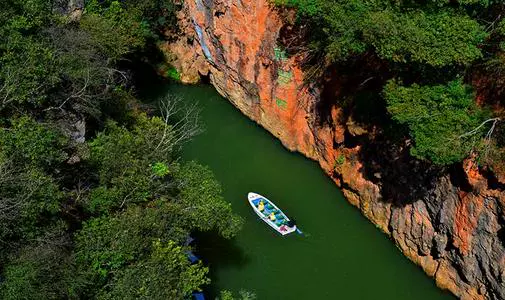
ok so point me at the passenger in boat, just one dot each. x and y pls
(261, 206)
(272, 216)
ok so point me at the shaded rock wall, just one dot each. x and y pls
(451, 223)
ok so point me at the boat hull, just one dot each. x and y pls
(282, 229)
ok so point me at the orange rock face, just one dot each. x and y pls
(452, 225)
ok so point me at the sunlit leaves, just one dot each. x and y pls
(436, 117)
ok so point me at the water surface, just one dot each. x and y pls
(341, 256)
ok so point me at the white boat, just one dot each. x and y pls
(271, 214)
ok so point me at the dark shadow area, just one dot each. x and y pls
(488, 80)
(402, 178)
(204, 78)
(218, 252)
(499, 135)
(459, 178)
(501, 234)
(141, 81)
(487, 75)
(145, 80)
(422, 74)
(79, 177)
(351, 141)
(294, 36)
(355, 87)
(492, 181)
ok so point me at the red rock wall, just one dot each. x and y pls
(451, 232)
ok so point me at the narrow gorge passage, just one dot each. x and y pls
(342, 256)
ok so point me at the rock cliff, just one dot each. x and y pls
(450, 222)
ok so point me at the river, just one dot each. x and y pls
(341, 256)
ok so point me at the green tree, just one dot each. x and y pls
(204, 207)
(120, 247)
(44, 271)
(106, 218)
(396, 30)
(437, 118)
(440, 38)
(118, 28)
(141, 197)
(165, 274)
(28, 69)
(124, 159)
(190, 193)
(30, 197)
(27, 62)
(426, 42)
(30, 200)
(29, 142)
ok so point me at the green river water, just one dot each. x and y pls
(341, 256)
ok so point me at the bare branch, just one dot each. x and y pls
(128, 196)
(13, 199)
(7, 87)
(366, 80)
(80, 94)
(181, 122)
(474, 131)
(487, 137)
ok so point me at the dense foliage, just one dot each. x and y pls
(436, 116)
(94, 202)
(397, 30)
(434, 47)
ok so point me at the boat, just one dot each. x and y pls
(265, 208)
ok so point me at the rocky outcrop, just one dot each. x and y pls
(71, 8)
(451, 223)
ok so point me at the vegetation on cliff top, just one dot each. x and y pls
(431, 52)
(93, 200)
(436, 117)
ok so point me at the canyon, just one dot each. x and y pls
(451, 222)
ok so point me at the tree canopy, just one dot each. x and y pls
(433, 46)
(437, 116)
(94, 200)
(400, 31)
